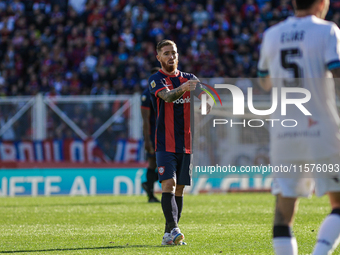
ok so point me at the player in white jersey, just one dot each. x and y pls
(304, 52)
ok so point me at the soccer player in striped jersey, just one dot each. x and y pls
(304, 51)
(170, 94)
(149, 127)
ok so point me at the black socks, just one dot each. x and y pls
(170, 210)
(281, 231)
(179, 202)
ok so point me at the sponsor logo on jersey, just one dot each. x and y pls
(182, 101)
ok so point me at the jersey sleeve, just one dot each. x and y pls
(262, 67)
(332, 49)
(156, 85)
(145, 100)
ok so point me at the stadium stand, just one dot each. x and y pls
(80, 47)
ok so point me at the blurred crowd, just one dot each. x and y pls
(103, 47)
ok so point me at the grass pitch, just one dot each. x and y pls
(212, 224)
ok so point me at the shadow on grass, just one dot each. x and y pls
(93, 248)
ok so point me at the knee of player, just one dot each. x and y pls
(179, 190)
(169, 185)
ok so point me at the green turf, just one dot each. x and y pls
(212, 224)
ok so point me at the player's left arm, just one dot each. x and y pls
(146, 127)
(145, 112)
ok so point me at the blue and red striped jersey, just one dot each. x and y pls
(173, 132)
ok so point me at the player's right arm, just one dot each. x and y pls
(161, 90)
(265, 83)
(332, 55)
(263, 68)
(171, 95)
(336, 76)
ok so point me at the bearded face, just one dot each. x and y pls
(170, 65)
(168, 57)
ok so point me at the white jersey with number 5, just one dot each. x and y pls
(300, 52)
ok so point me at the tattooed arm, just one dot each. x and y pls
(172, 95)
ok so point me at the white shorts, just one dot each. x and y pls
(302, 184)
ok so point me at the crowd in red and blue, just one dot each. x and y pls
(107, 47)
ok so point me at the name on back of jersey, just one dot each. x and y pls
(292, 36)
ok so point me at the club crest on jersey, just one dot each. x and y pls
(161, 170)
(143, 98)
(153, 84)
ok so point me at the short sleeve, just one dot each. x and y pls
(194, 77)
(156, 85)
(145, 99)
(332, 49)
(262, 67)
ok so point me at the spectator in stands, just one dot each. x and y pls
(200, 15)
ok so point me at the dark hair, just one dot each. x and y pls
(164, 43)
(154, 70)
(304, 4)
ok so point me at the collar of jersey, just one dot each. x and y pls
(174, 75)
(301, 18)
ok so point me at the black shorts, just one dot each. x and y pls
(174, 165)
